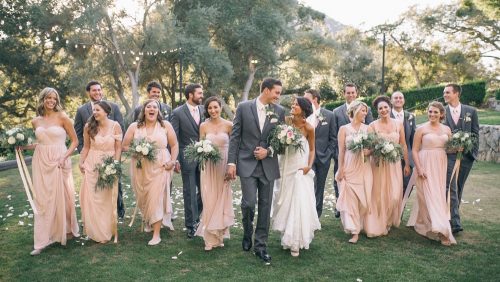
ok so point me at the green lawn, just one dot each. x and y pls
(401, 256)
(488, 117)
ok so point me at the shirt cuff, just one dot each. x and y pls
(231, 164)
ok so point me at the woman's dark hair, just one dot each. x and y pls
(381, 98)
(305, 105)
(210, 100)
(141, 120)
(93, 127)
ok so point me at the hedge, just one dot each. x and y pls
(473, 93)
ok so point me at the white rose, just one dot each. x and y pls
(30, 140)
(138, 148)
(208, 149)
(11, 131)
(116, 162)
(20, 136)
(198, 144)
(11, 140)
(199, 150)
(274, 120)
(357, 139)
(113, 171)
(388, 147)
(393, 153)
(145, 151)
(456, 135)
(463, 138)
(289, 141)
(466, 135)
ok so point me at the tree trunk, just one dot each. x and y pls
(251, 76)
(410, 60)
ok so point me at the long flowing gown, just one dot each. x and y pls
(54, 192)
(431, 213)
(151, 183)
(217, 197)
(387, 192)
(99, 215)
(355, 189)
(294, 211)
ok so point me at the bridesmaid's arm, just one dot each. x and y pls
(32, 146)
(70, 130)
(174, 146)
(203, 131)
(129, 135)
(417, 141)
(341, 148)
(402, 142)
(85, 149)
(118, 142)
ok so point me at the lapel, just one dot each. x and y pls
(449, 119)
(318, 125)
(344, 114)
(406, 123)
(460, 123)
(190, 117)
(267, 122)
(253, 108)
(88, 108)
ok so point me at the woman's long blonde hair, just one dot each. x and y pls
(40, 109)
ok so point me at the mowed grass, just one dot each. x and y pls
(401, 256)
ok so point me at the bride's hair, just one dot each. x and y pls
(305, 105)
(354, 108)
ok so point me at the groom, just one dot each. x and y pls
(251, 158)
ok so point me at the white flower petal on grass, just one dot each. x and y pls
(174, 257)
(9, 197)
(9, 214)
(21, 223)
(359, 280)
(180, 253)
(478, 200)
(479, 209)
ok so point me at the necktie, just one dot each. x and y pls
(196, 115)
(262, 117)
(455, 116)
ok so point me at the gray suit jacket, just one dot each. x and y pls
(468, 122)
(246, 136)
(84, 112)
(410, 126)
(165, 111)
(340, 118)
(324, 134)
(186, 130)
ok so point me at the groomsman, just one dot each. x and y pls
(322, 120)
(186, 121)
(340, 118)
(464, 118)
(154, 92)
(84, 112)
(408, 120)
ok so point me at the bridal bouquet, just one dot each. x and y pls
(18, 136)
(141, 149)
(202, 151)
(387, 151)
(109, 171)
(284, 136)
(462, 139)
(360, 141)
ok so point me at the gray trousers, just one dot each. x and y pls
(192, 196)
(321, 171)
(256, 189)
(457, 187)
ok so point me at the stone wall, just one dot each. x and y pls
(489, 143)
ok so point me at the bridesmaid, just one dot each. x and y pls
(151, 183)
(354, 175)
(216, 193)
(102, 138)
(431, 213)
(53, 189)
(387, 177)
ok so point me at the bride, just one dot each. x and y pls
(294, 211)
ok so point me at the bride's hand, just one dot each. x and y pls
(421, 174)
(305, 170)
(340, 176)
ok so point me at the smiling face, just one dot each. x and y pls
(99, 113)
(95, 93)
(214, 109)
(450, 96)
(154, 93)
(296, 110)
(434, 114)
(50, 101)
(272, 96)
(361, 114)
(350, 94)
(151, 111)
(383, 109)
(197, 96)
(398, 100)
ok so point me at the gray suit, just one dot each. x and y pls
(188, 131)
(83, 113)
(255, 176)
(165, 111)
(340, 118)
(457, 187)
(324, 146)
(410, 126)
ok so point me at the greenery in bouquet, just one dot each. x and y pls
(462, 139)
(18, 136)
(201, 152)
(360, 141)
(387, 151)
(142, 149)
(109, 171)
(283, 136)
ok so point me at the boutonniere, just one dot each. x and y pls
(165, 114)
(271, 115)
(410, 119)
(321, 118)
(467, 117)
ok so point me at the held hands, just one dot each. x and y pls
(177, 167)
(230, 173)
(260, 153)
(407, 170)
(305, 169)
(169, 165)
(82, 167)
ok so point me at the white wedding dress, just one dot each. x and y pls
(294, 208)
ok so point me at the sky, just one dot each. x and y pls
(365, 14)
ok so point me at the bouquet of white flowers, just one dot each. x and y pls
(141, 149)
(360, 141)
(18, 136)
(109, 172)
(462, 139)
(387, 151)
(202, 151)
(284, 136)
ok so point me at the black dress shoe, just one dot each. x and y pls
(264, 256)
(455, 230)
(246, 244)
(190, 233)
(337, 213)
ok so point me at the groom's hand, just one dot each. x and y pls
(231, 172)
(260, 153)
